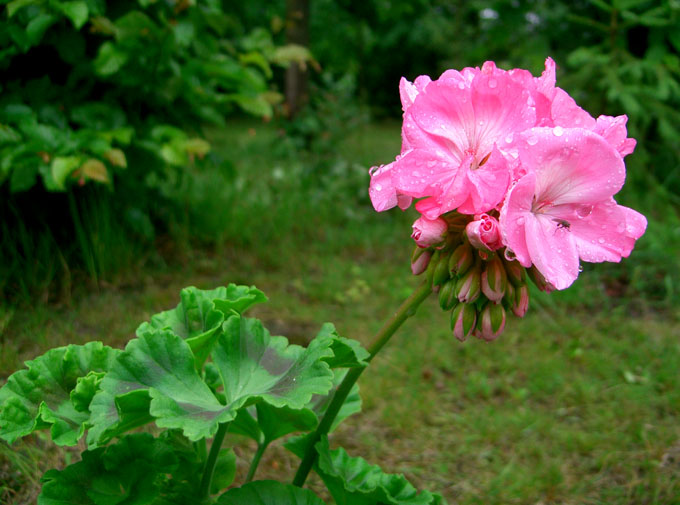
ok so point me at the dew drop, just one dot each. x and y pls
(461, 85)
(508, 139)
(584, 210)
(580, 268)
(558, 131)
(520, 221)
(600, 240)
(431, 163)
(493, 83)
(532, 141)
(620, 227)
(378, 187)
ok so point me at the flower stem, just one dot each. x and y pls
(256, 460)
(209, 468)
(406, 310)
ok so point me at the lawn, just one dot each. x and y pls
(578, 403)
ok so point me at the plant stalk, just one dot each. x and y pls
(406, 310)
(256, 460)
(209, 468)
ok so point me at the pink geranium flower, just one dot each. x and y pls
(455, 134)
(563, 209)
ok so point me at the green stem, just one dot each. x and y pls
(256, 460)
(209, 468)
(406, 310)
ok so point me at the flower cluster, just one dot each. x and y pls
(508, 167)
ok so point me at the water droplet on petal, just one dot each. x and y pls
(558, 131)
(520, 221)
(620, 227)
(493, 83)
(600, 240)
(584, 210)
(461, 85)
(378, 187)
(580, 268)
(508, 139)
(532, 140)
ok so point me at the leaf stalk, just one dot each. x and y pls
(389, 328)
(209, 467)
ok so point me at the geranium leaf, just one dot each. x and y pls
(200, 314)
(252, 366)
(41, 396)
(255, 365)
(269, 492)
(347, 353)
(162, 363)
(113, 415)
(131, 471)
(352, 481)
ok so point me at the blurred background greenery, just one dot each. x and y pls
(148, 145)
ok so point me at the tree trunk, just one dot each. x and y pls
(297, 32)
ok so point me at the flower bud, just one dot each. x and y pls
(463, 320)
(419, 260)
(520, 303)
(447, 295)
(484, 233)
(468, 286)
(491, 322)
(429, 232)
(538, 279)
(441, 271)
(516, 272)
(461, 259)
(494, 279)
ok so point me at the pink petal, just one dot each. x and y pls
(608, 233)
(408, 91)
(573, 165)
(381, 190)
(514, 213)
(552, 250)
(486, 185)
(613, 129)
(420, 172)
(566, 113)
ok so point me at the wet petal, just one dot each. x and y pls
(608, 233)
(514, 213)
(552, 250)
(573, 165)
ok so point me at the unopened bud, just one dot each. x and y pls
(447, 295)
(491, 322)
(463, 320)
(520, 303)
(419, 260)
(468, 286)
(434, 259)
(461, 259)
(429, 232)
(494, 279)
(538, 279)
(484, 233)
(441, 271)
(516, 272)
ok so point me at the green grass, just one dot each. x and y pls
(578, 403)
